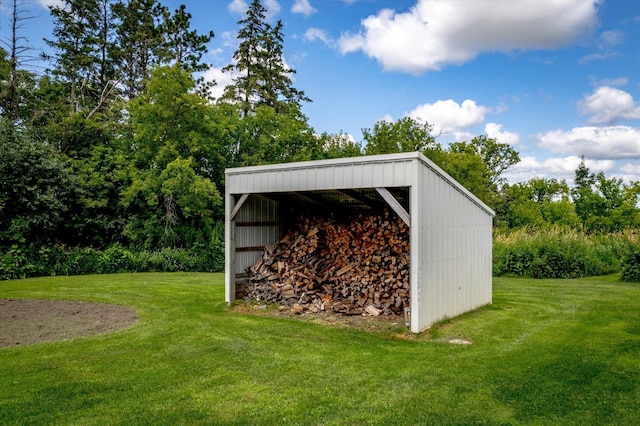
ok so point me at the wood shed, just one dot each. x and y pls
(450, 230)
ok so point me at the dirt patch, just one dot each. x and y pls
(29, 321)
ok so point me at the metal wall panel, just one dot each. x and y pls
(257, 216)
(255, 210)
(455, 254)
(387, 171)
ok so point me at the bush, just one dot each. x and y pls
(631, 264)
(23, 262)
(557, 253)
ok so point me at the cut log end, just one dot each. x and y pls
(355, 267)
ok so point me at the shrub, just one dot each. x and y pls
(558, 253)
(22, 262)
(631, 264)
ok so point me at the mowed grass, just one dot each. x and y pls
(545, 352)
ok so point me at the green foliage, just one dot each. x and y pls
(112, 149)
(266, 137)
(604, 205)
(557, 253)
(404, 135)
(537, 203)
(182, 45)
(631, 264)
(17, 262)
(478, 165)
(262, 79)
(467, 168)
(338, 145)
(172, 134)
(35, 186)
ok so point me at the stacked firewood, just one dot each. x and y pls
(351, 267)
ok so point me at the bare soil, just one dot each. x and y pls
(30, 321)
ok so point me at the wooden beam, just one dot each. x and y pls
(395, 205)
(273, 223)
(250, 248)
(239, 204)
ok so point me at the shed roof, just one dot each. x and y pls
(386, 170)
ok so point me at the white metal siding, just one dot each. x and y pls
(255, 209)
(455, 252)
(306, 177)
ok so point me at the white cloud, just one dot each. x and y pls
(240, 7)
(608, 105)
(313, 34)
(448, 116)
(433, 34)
(52, 3)
(630, 172)
(388, 118)
(222, 79)
(273, 8)
(606, 43)
(229, 39)
(558, 168)
(494, 130)
(609, 39)
(613, 142)
(617, 81)
(597, 57)
(303, 7)
(631, 168)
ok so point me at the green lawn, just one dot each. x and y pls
(546, 352)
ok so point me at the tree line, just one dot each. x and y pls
(119, 140)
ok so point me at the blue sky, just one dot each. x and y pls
(556, 79)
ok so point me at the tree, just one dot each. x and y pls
(17, 83)
(261, 75)
(277, 90)
(171, 198)
(466, 167)
(604, 204)
(497, 157)
(339, 145)
(138, 42)
(182, 45)
(76, 33)
(94, 213)
(35, 185)
(404, 135)
(538, 202)
(478, 165)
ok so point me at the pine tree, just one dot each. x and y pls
(262, 77)
(182, 45)
(75, 58)
(138, 42)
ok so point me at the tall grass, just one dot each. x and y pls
(560, 253)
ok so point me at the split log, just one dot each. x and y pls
(353, 267)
